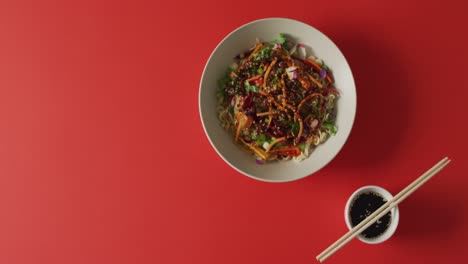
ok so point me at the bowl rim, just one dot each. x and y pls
(345, 137)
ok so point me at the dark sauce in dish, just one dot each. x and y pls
(363, 206)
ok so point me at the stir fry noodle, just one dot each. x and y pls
(277, 102)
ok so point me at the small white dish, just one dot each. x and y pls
(394, 213)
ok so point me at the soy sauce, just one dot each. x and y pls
(363, 206)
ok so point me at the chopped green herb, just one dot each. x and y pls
(302, 146)
(261, 139)
(324, 66)
(275, 80)
(231, 110)
(253, 70)
(221, 91)
(295, 127)
(263, 53)
(330, 128)
(250, 88)
(224, 81)
(280, 40)
(260, 70)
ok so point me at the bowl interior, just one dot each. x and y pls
(241, 40)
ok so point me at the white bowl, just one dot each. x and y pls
(241, 40)
(394, 218)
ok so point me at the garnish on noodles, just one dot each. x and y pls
(277, 102)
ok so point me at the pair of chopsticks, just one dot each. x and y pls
(382, 210)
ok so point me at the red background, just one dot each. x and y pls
(103, 158)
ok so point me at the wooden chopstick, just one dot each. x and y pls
(383, 210)
(378, 211)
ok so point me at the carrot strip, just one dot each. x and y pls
(314, 64)
(314, 80)
(239, 127)
(264, 155)
(272, 100)
(266, 113)
(257, 48)
(265, 78)
(273, 143)
(290, 107)
(245, 149)
(254, 78)
(304, 100)
(280, 107)
(301, 128)
(328, 77)
(284, 91)
(262, 92)
(319, 68)
(269, 119)
(242, 122)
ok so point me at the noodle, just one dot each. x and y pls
(278, 105)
